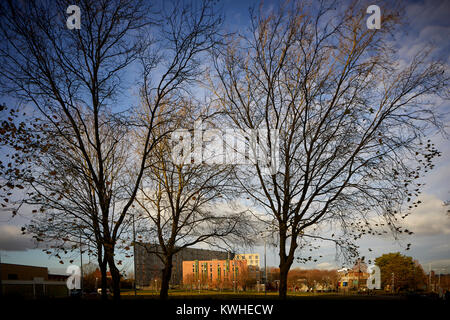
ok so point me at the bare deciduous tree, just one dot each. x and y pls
(185, 203)
(351, 120)
(72, 78)
(91, 171)
(69, 215)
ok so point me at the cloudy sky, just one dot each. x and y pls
(428, 22)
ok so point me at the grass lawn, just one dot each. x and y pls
(175, 293)
(230, 294)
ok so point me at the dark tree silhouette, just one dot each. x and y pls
(87, 176)
(351, 121)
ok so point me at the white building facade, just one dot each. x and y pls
(251, 258)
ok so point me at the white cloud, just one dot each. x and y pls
(11, 239)
(429, 218)
(325, 266)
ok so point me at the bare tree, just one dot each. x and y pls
(184, 203)
(74, 79)
(351, 121)
(69, 215)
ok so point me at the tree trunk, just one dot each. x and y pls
(115, 274)
(284, 270)
(104, 280)
(166, 275)
(286, 261)
(102, 264)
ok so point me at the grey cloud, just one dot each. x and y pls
(439, 266)
(428, 24)
(424, 12)
(11, 239)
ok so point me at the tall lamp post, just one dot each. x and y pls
(393, 282)
(1, 284)
(81, 262)
(439, 277)
(233, 270)
(265, 267)
(264, 235)
(134, 255)
(429, 277)
(359, 272)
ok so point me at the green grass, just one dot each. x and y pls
(230, 295)
(227, 294)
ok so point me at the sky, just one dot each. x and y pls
(430, 222)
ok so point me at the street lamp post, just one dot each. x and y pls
(393, 282)
(429, 277)
(134, 256)
(265, 267)
(359, 273)
(439, 279)
(233, 269)
(1, 284)
(264, 235)
(81, 262)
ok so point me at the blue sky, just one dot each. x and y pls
(431, 242)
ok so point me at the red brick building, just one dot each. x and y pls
(214, 273)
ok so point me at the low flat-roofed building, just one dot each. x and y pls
(31, 282)
(21, 272)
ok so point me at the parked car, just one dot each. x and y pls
(75, 293)
(99, 291)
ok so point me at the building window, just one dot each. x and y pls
(12, 276)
